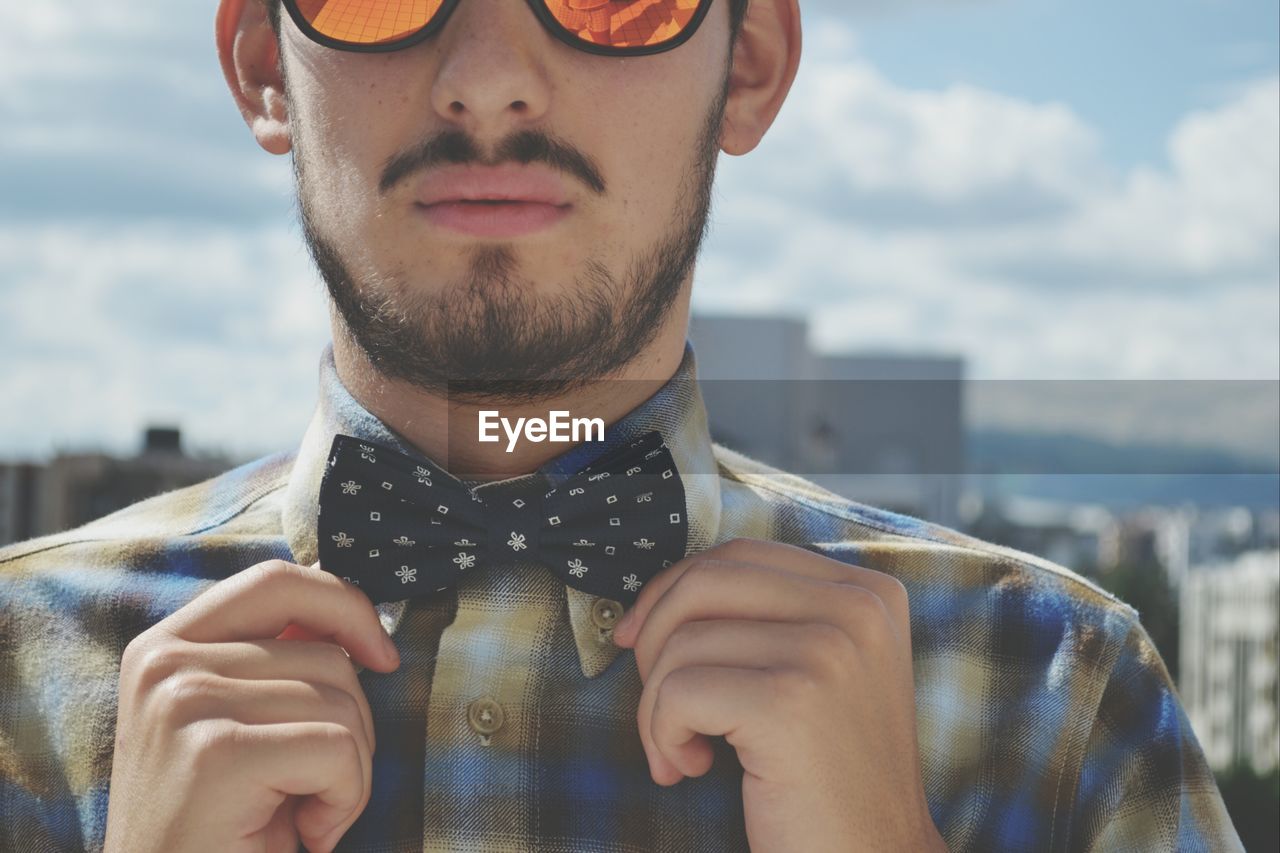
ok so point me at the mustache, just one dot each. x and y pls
(523, 147)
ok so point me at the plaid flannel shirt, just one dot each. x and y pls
(1047, 720)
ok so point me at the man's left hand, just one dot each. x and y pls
(803, 664)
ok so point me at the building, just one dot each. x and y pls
(883, 429)
(1229, 613)
(18, 500)
(1173, 539)
(754, 373)
(75, 488)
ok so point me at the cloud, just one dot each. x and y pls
(109, 114)
(152, 270)
(863, 136)
(217, 330)
(1212, 215)
(966, 220)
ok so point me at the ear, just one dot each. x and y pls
(250, 61)
(765, 60)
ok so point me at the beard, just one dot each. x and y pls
(491, 337)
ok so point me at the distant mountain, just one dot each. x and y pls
(1076, 468)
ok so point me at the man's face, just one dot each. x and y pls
(631, 142)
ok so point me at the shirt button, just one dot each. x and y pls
(485, 715)
(606, 612)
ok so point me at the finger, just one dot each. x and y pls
(261, 602)
(798, 560)
(280, 833)
(714, 589)
(263, 702)
(319, 761)
(297, 632)
(820, 648)
(308, 661)
(712, 700)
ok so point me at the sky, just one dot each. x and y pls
(1050, 190)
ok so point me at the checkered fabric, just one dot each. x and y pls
(1047, 720)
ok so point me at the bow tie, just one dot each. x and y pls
(400, 527)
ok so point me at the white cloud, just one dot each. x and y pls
(970, 221)
(215, 329)
(959, 219)
(861, 134)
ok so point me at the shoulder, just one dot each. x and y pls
(1023, 667)
(71, 602)
(241, 501)
(950, 575)
(150, 557)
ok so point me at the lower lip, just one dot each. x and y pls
(499, 219)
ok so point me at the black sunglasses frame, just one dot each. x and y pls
(539, 8)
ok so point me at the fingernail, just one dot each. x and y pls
(393, 654)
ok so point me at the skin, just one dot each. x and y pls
(803, 664)
(492, 72)
(241, 725)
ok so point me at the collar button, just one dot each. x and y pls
(605, 613)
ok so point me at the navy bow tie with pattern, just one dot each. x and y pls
(400, 527)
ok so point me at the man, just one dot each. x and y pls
(505, 201)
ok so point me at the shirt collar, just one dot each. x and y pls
(676, 410)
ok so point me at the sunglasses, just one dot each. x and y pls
(605, 27)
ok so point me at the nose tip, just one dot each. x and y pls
(489, 71)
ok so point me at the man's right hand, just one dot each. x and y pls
(231, 738)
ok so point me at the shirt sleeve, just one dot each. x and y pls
(1144, 782)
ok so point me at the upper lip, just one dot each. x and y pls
(493, 183)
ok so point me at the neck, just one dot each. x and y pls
(448, 431)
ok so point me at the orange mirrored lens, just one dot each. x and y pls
(624, 23)
(368, 21)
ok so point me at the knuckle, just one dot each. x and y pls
(132, 650)
(869, 621)
(212, 742)
(272, 572)
(134, 654)
(337, 660)
(894, 591)
(668, 692)
(859, 601)
(828, 648)
(737, 547)
(702, 571)
(349, 707)
(679, 641)
(340, 739)
(183, 696)
(793, 688)
(154, 659)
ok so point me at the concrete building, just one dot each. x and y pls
(883, 429)
(19, 497)
(75, 488)
(1229, 632)
(1174, 539)
(756, 374)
